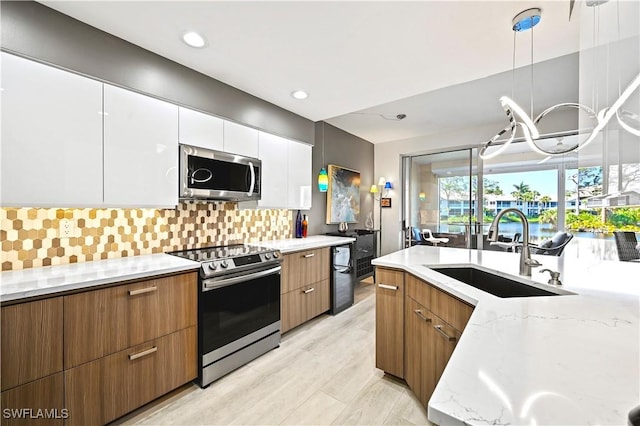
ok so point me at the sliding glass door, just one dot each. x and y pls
(441, 196)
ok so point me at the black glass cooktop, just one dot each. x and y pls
(219, 252)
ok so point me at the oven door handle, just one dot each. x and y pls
(211, 284)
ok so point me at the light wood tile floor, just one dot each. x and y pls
(323, 373)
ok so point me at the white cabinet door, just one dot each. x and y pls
(239, 139)
(140, 150)
(299, 176)
(273, 154)
(200, 129)
(51, 151)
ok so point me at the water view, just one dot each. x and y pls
(537, 231)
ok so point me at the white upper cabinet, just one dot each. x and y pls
(51, 152)
(300, 176)
(198, 129)
(286, 173)
(239, 139)
(140, 150)
(274, 175)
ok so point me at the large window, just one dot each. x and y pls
(590, 194)
(535, 193)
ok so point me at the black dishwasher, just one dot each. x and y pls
(343, 278)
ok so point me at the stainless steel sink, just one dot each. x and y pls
(492, 283)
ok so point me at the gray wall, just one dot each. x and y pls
(342, 149)
(35, 31)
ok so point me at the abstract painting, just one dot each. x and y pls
(343, 196)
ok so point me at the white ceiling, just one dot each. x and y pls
(388, 56)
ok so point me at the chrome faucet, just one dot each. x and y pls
(526, 262)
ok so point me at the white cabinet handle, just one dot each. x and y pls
(143, 353)
(309, 255)
(418, 312)
(389, 287)
(309, 290)
(446, 336)
(142, 290)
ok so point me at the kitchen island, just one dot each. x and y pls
(567, 359)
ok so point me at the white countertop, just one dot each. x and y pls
(297, 244)
(23, 284)
(27, 283)
(559, 360)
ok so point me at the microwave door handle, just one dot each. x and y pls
(253, 179)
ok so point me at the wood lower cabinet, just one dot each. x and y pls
(305, 287)
(303, 268)
(416, 331)
(42, 399)
(103, 390)
(98, 354)
(31, 341)
(389, 321)
(298, 306)
(101, 322)
(418, 376)
(429, 343)
(443, 341)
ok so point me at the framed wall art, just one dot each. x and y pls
(343, 195)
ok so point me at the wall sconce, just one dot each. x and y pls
(323, 180)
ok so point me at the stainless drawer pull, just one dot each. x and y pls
(418, 312)
(143, 353)
(142, 290)
(446, 336)
(389, 287)
(309, 291)
(309, 255)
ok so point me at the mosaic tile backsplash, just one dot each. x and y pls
(30, 236)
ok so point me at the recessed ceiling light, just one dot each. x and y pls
(299, 94)
(193, 39)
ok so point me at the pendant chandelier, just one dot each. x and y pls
(519, 119)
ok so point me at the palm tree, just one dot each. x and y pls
(545, 199)
(521, 190)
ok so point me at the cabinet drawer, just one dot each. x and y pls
(101, 322)
(303, 268)
(390, 277)
(42, 394)
(31, 341)
(418, 290)
(103, 390)
(300, 305)
(450, 309)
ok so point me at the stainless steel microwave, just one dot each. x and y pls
(215, 175)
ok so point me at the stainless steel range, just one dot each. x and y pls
(238, 306)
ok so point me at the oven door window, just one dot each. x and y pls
(231, 312)
(217, 175)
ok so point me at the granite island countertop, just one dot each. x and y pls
(48, 281)
(557, 360)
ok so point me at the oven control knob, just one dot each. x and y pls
(267, 256)
(224, 264)
(275, 254)
(213, 266)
